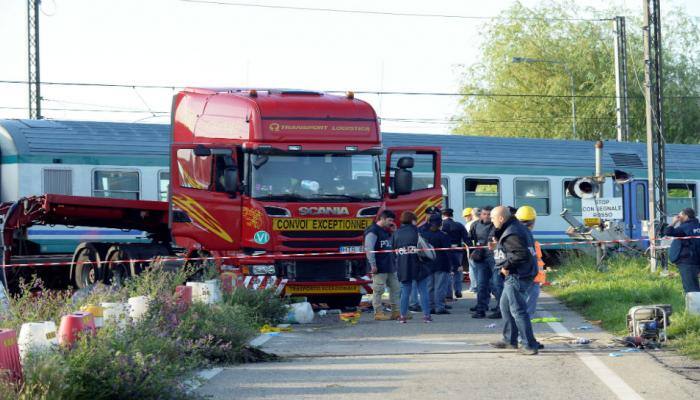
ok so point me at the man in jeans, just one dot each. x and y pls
(481, 234)
(440, 266)
(378, 239)
(514, 254)
(458, 237)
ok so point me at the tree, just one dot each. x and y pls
(533, 98)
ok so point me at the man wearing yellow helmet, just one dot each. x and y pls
(527, 215)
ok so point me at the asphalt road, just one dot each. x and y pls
(451, 359)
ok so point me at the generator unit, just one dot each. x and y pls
(649, 323)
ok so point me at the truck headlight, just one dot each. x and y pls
(262, 269)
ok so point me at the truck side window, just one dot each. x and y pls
(194, 172)
(221, 162)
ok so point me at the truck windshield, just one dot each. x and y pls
(315, 177)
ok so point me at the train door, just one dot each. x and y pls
(635, 197)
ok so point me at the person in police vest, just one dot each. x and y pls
(527, 215)
(458, 238)
(440, 266)
(412, 255)
(685, 253)
(514, 252)
(382, 266)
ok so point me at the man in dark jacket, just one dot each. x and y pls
(412, 257)
(514, 252)
(382, 266)
(683, 252)
(458, 238)
(440, 266)
(481, 234)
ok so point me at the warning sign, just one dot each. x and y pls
(321, 224)
(602, 209)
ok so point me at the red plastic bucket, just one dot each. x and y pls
(73, 326)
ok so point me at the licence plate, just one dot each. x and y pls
(350, 249)
(321, 289)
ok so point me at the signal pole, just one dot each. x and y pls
(621, 80)
(34, 77)
(656, 157)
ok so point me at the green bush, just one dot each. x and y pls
(263, 306)
(218, 333)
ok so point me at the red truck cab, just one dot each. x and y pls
(281, 184)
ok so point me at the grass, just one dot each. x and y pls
(150, 358)
(607, 296)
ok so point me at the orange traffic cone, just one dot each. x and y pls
(183, 298)
(10, 366)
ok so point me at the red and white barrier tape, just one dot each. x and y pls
(324, 254)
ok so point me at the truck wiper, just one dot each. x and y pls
(342, 196)
(283, 197)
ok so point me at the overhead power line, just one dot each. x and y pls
(386, 13)
(369, 92)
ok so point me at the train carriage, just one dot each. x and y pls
(130, 160)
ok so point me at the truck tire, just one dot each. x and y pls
(88, 265)
(125, 260)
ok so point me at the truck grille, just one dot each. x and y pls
(315, 271)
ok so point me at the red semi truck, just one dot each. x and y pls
(275, 185)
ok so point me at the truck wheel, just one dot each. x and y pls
(118, 266)
(343, 302)
(87, 266)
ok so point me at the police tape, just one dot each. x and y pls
(328, 253)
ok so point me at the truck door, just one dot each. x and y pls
(635, 197)
(412, 180)
(206, 204)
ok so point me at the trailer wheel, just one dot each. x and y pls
(118, 266)
(125, 260)
(88, 264)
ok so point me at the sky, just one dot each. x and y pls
(180, 43)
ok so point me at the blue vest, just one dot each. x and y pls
(685, 251)
(385, 261)
(408, 266)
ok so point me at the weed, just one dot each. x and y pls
(628, 282)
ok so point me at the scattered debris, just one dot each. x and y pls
(584, 327)
(544, 320)
(490, 326)
(615, 354)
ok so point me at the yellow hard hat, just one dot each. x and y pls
(526, 213)
(467, 211)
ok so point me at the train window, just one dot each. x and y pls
(481, 192)
(58, 181)
(571, 203)
(680, 196)
(641, 202)
(163, 184)
(116, 184)
(194, 172)
(444, 182)
(534, 193)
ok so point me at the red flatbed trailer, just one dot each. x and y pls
(275, 185)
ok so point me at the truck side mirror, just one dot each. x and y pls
(202, 151)
(230, 180)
